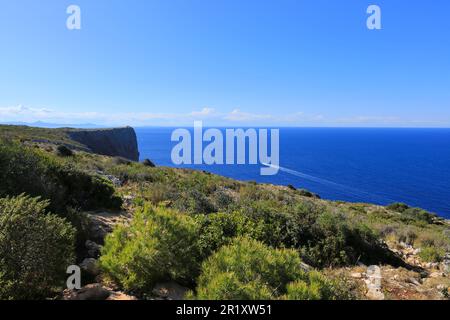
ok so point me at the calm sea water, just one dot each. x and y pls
(358, 165)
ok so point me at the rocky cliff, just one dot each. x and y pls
(120, 142)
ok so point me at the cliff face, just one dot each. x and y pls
(120, 142)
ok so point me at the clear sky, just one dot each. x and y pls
(228, 62)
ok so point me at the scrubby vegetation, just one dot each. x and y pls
(221, 238)
(36, 173)
(35, 249)
(314, 286)
(432, 254)
(248, 270)
(64, 151)
(157, 245)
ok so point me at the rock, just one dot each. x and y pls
(373, 283)
(128, 200)
(413, 281)
(360, 264)
(115, 181)
(90, 292)
(148, 163)
(98, 230)
(169, 291)
(436, 275)
(90, 266)
(406, 246)
(440, 287)
(305, 267)
(93, 249)
(357, 275)
(101, 224)
(121, 142)
(446, 264)
(121, 296)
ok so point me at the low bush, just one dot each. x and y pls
(324, 238)
(218, 229)
(431, 254)
(136, 172)
(35, 249)
(121, 161)
(416, 214)
(194, 201)
(333, 241)
(407, 236)
(157, 245)
(23, 170)
(314, 287)
(63, 151)
(306, 193)
(398, 207)
(248, 270)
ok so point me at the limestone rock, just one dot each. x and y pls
(121, 142)
(116, 296)
(90, 266)
(102, 223)
(373, 283)
(169, 291)
(437, 275)
(93, 249)
(90, 292)
(357, 275)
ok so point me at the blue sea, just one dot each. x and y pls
(378, 166)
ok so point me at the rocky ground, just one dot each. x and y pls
(417, 281)
(100, 224)
(420, 281)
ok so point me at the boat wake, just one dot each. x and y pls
(357, 193)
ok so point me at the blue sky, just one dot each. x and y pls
(227, 62)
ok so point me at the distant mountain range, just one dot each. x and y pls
(41, 124)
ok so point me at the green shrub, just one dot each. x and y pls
(121, 161)
(247, 269)
(35, 249)
(194, 201)
(308, 194)
(398, 207)
(23, 170)
(158, 192)
(278, 227)
(407, 236)
(410, 215)
(315, 287)
(222, 199)
(432, 254)
(133, 172)
(157, 245)
(324, 238)
(416, 214)
(218, 229)
(63, 151)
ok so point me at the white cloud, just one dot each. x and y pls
(209, 115)
(239, 116)
(204, 112)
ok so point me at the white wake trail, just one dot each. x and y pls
(343, 188)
